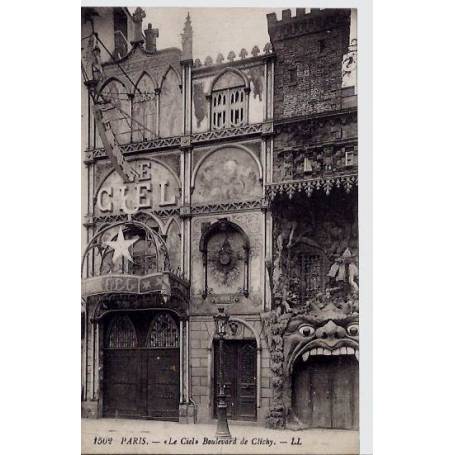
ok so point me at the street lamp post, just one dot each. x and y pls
(222, 428)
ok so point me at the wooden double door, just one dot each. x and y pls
(141, 372)
(239, 359)
(326, 392)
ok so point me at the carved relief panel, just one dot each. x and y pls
(226, 256)
(228, 273)
(315, 250)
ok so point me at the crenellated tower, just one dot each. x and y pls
(309, 48)
(313, 202)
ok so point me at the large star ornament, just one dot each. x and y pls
(121, 246)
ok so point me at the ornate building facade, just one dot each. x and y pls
(313, 326)
(243, 197)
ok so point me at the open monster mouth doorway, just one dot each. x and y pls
(325, 391)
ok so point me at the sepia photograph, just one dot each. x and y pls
(220, 263)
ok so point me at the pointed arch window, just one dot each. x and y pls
(163, 332)
(121, 334)
(117, 109)
(144, 110)
(229, 101)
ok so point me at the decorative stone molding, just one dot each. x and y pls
(185, 211)
(163, 213)
(267, 129)
(347, 182)
(181, 141)
(246, 130)
(185, 142)
(227, 207)
(135, 147)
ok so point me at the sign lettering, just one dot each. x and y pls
(155, 186)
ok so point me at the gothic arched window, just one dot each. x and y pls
(121, 333)
(229, 100)
(144, 110)
(163, 332)
(117, 110)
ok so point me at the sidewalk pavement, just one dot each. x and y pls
(124, 436)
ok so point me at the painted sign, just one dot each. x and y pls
(156, 186)
(126, 284)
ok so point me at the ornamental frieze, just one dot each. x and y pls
(306, 187)
(172, 142)
(137, 147)
(294, 163)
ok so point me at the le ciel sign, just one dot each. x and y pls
(155, 186)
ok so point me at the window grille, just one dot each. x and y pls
(121, 334)
(229, 108)
(312, 280)
(163, 332)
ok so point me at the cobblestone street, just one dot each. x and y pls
(122, 436)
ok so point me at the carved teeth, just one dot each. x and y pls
(324, 351)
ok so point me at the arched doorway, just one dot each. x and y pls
(141, 365)
(325, 391)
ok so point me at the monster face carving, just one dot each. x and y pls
(307, 337)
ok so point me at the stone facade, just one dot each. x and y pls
(195, 139)
(218, 149)
(313, 203)
(309, 48)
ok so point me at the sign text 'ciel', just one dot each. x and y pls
(155, 187)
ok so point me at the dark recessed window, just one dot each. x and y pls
(322, 45)
(293, 75)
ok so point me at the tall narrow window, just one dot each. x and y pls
(120, 34)
(228, 108)
(311, 275)
(293, 75)
(229, 100)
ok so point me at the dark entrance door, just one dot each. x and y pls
(240, 378)
(141, 367)
(326, 392)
